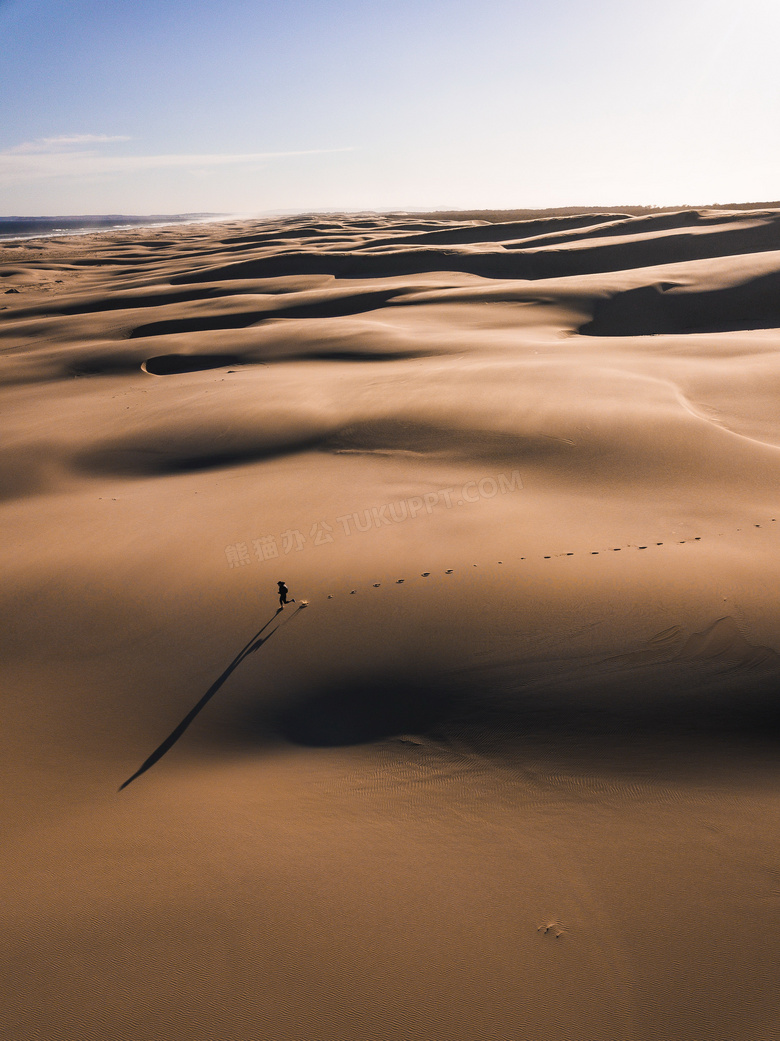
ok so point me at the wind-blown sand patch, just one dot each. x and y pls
(511, 773)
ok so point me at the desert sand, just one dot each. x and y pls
(510, 772)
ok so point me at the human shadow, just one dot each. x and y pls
(249, 648)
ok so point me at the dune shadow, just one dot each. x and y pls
(332, 306)
(666, 308)
(681, 704)
(147, 459)
(504, 231)
(710, 684)
(175, 364)
(401, 258)
(362, 709)
(249, 648)
(105, 364)
(119, 302)
(595, 711)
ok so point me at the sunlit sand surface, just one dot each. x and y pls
(507, 766)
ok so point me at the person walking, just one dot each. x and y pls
(283, 591)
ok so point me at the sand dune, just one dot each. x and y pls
(511, 771)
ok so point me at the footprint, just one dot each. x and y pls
(552, 927)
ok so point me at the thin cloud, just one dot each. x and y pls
(19, 166)
(55, 144)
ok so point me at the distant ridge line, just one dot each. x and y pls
(501, 216)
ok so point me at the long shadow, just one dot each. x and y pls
(249, 648)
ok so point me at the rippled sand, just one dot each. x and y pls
(510, 771)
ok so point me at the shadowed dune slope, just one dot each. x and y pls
(673, 243)
(670, 308)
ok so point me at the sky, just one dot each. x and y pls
(267, 106)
